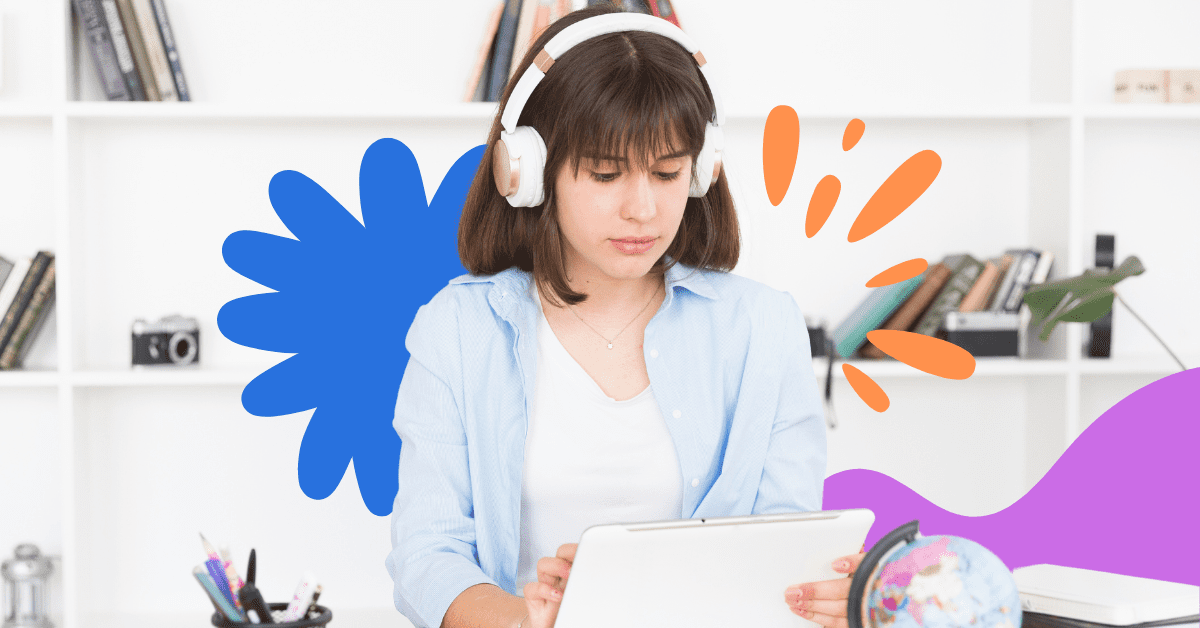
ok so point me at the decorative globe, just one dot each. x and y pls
(933, 582)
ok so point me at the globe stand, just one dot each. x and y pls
(866, 571)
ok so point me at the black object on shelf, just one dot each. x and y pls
(1100, 345)
(310, 620)
(816, 340)
(985, 333)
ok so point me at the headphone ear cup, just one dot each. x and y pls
(708, 162)
(517, 166)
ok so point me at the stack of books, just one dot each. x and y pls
(1157, 86)
(26, 294)
(958, 283)
(1053, 596)
(133, 48)
(514, 24)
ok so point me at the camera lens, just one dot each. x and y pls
(183, 348)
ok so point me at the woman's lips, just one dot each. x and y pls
(634, 247)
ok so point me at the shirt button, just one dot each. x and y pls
(695, 481)
(654, 353)
(676, 414)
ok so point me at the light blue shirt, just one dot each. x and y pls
(729, 365)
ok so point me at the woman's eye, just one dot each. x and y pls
(669, 176)
(604, 177)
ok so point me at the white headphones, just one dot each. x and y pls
(519, 158)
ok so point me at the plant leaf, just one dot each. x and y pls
(1079, 299)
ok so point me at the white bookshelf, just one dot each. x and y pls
(135, 199)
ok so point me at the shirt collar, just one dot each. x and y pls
(515, 280)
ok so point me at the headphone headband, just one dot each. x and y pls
(587, 29)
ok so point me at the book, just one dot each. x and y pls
(1040, 273)
(120, 42)
(880, 303)
(663, 9)
(133, 34)
(6, 267)
(935, 277)
(966, 271)
(541, 20)
(168, 42)
(977, 295)
(997, 302)
(1028, 262)
(505, 39)
(24, 331)
(156, 55)
(525, 21)
(1004, 263)
(476, 82)
(1140, 86)
(1183, 85)
(104, 55)
(24, 294)
(8, 292)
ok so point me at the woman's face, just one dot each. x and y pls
(609, 203)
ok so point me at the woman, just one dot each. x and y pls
(598, 364)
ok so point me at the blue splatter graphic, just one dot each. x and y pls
(346, 294)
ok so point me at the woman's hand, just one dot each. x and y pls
(543, 597)
(825, 602)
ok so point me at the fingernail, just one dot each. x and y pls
(841, 565)
(557, 594)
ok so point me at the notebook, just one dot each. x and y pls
(720, 571)
(1104, 598)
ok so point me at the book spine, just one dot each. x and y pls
(160, 68)
(505, 39)
(168, 41)
(124, 54)
(20, 334)
(950, 297)
(36, 330)
(476, 77)
(5, 270)
(973, 302)
(1012, 303)
(879, 305)
(666, 11)
(24, 294)
(140, 59)
(95, 30)
(524, 30)
(1009, 277)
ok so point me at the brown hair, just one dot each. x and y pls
(647, 94)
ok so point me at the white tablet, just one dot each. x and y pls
(722, 571)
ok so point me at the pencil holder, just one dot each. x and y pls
(312, 620)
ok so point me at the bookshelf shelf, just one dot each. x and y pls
(136, 198)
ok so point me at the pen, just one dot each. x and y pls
(250, 596)
(312, 608)
(231, 574)
(301, 599)
(214, 594)
(217, 571)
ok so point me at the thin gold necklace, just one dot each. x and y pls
(610, 341)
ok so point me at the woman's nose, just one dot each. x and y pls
(639, 198)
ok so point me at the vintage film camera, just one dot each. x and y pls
(173, 340)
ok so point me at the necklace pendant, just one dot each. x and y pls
(610, 345)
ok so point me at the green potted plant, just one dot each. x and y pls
(1084, 298)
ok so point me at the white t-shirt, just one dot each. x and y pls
(589, 459)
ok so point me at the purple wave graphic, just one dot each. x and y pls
(1124, 497)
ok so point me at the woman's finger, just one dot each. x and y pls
(838, 589)
(567, 552)
(833, 608)
(545, 592)
(849, 564)
(825, 620)
(553, 570)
